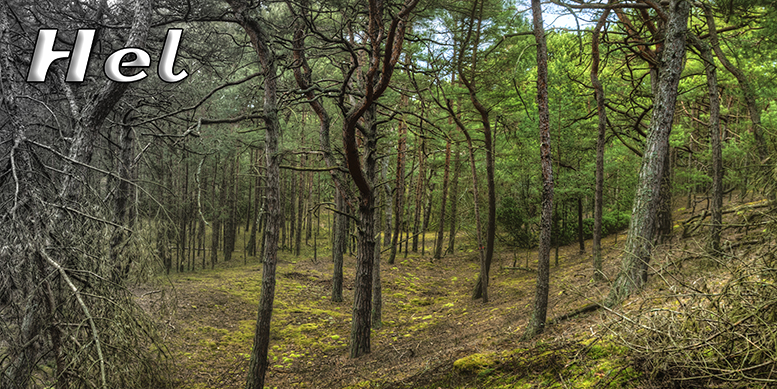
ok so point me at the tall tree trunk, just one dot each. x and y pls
(124, 195)
(399, 193)
(373, 84)
(469, 82)
(183, 216)
(92, 114)
(249, 203)
(338, 245)
(284, 211)
(292, 197)
(260, 40)
(201, 242)
(454, 201)
(257, 206)
(216, 229)
(377, 290)
(664, 214)
(491, 228)
(300, 211)
(419, 194)
(715, 146)
(406, 218)
(537, 323)
(303, 75)
(234, 223)
(479, 287)
(441, 224)
(639, 243)
(225, 193)
(600, 140)
(427, 214)
(365, 254)
(309, 209)
(742, 79)
(580, 236)
(389, 205)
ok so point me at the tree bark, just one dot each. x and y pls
(638, 249)
(600, 140)
(385, 47)
(124, 194)
(481, 289)
(230, 197)
(300, 211)
(183, 215)
(427, 214)
(303, 75)
(387, 230)
(441, 225)
(338, 246)
(399, 192)
(664, 214)
(377, 291)
(747, 89)
(419, 193)
(292, 204)
(715, 147)
(215, 237)
(92, 115)
(258, 209)
(365, 253)
(454, 202)
(260, 40)
(537, 323)
(580, 236)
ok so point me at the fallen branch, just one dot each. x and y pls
(89, 317)
(519, 268)
(584, 309)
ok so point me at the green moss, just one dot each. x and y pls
(361, 385)
(475, 363)
(421, 302)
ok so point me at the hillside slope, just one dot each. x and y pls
(433, 334)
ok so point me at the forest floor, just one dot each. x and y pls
(434, 335)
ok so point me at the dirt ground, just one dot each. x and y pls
(429, 317)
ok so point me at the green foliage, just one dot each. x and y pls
(612, 222)
(514, 221)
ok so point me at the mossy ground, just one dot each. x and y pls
(433, 333)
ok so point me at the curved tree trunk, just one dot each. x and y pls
(365, 253)
(747, 89)
(639, 243)
(481, 289)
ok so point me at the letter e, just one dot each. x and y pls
(113, 63)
